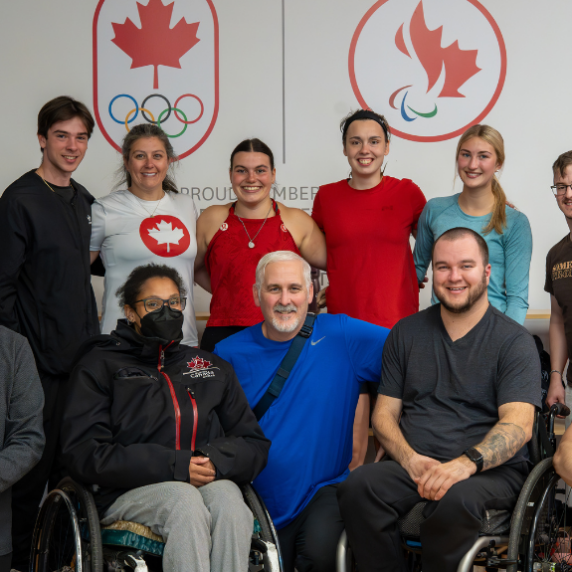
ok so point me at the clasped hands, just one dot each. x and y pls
(201, 471)
(433, 478)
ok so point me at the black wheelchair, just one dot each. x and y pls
(68, 537)
(534, 537)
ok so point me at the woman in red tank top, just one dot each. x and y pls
(232, 238)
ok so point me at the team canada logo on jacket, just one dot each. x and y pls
(156, 61)
(199, 367)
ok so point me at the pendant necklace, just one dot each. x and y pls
(48, 184)
(151, 215)
(251, 240)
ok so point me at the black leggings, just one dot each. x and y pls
(215, 334)
(5, 562)
(27, 493)
(309, 542)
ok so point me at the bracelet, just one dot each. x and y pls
(555, 371)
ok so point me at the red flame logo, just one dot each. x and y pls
(458, 65)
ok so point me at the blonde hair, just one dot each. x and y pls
(494, 138)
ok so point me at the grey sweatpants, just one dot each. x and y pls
(205, 529)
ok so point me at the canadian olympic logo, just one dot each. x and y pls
(166, 44)
(432, 67)
(132, 115)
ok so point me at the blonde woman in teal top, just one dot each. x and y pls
(481, 206)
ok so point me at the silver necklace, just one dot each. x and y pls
(251, 240)
(151, 215)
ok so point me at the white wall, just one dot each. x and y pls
(46, 50)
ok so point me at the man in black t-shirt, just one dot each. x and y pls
(460, 382)
(559, 285)
(45, 282)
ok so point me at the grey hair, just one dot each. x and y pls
(281, 256)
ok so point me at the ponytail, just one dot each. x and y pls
(494, 138)
(498, 218)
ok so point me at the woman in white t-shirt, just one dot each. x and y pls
(150, 221)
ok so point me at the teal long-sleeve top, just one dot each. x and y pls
(509, 252)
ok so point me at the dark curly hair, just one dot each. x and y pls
(128, 294)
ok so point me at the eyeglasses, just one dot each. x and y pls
(560, 190)
(155, 303)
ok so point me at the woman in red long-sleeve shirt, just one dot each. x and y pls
(368, 220)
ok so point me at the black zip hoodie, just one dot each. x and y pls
(137, 411)
(45, 282)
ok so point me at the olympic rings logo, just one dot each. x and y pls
(132, 115)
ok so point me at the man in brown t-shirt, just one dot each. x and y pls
(559, 285)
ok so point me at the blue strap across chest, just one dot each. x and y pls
(286, 367)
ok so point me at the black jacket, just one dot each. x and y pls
(121, 428)
(45, 282)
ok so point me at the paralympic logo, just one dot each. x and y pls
(143, 110)
(438, 67)
(141, 46)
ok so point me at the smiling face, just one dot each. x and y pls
(460, 278)
(565, 201)
(147, 164)
(251, 177)
(477, 163)
(283, 299)
(64, 148)
(365, 148)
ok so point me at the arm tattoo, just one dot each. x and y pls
(501, 444)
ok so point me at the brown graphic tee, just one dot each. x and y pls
(559, 284)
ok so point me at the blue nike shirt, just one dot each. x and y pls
(310, 424)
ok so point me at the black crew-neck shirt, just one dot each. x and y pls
(67, 193)
(451, 391)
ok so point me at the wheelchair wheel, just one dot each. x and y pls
(67, 535)
(265, 553)
(538, 538)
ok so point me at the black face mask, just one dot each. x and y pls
(165, 324)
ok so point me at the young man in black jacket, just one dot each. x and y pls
(165, 431)
(45, 284)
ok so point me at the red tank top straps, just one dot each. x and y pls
(232, 265)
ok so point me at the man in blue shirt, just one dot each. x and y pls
(310, 423)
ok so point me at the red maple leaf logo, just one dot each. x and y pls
(199, 363)
(155, 43)
(460, 65)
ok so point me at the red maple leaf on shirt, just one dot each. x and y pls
(155, 43)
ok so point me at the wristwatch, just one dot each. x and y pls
(476, 457)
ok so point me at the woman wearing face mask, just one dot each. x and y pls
(148, 221)
(164, 448)
(232, 238)
(482, 207)
(368, 220)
